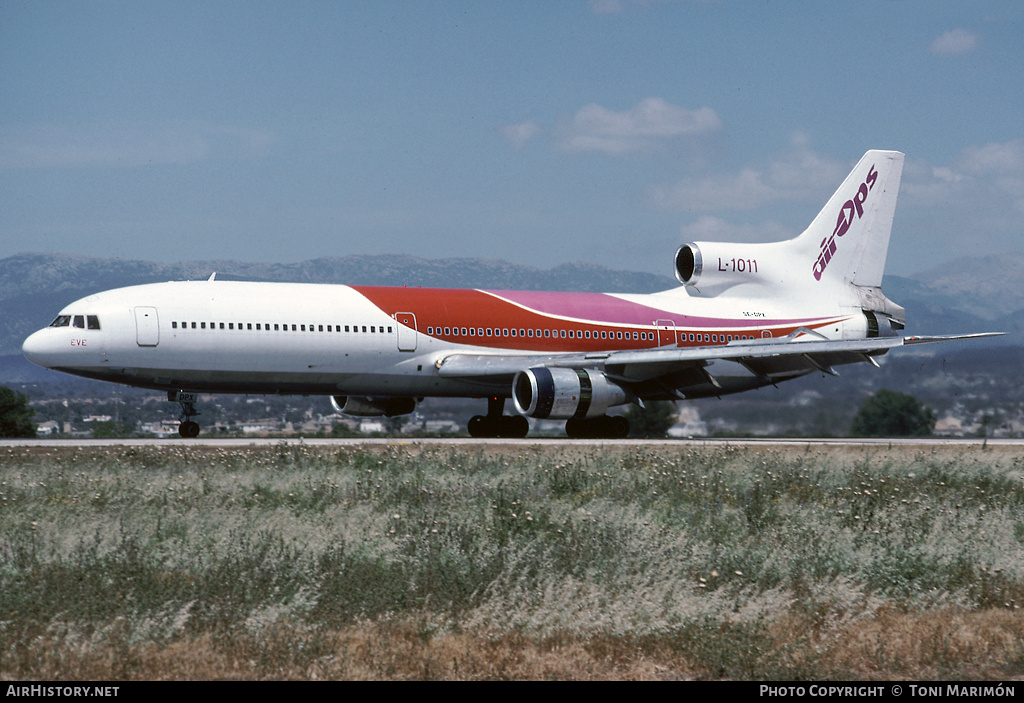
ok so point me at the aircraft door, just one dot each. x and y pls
(666, 332)
(406, 331)
(147, 327)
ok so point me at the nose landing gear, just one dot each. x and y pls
(188, 428)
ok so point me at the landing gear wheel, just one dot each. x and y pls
(603, 427)
(618, 427)
(187, 427)
(478, 426)
(515, 426)
(494, 424)
(507, 426)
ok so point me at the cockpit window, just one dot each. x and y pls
(61, 321)
(79, 321)
(93, 322)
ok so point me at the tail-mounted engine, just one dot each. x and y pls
(709, 268)
(560, 393)
(362, 406)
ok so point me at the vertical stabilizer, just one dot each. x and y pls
(839, 257)
(848, 241)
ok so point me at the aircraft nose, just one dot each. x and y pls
(38, 348)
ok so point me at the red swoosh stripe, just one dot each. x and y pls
(494, 315)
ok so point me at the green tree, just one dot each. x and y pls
(891, 414)
(15, 415)
(110, 429)
(651, 421)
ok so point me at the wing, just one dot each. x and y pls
(668, 373)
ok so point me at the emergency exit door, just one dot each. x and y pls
(406, 331)
(147, 327)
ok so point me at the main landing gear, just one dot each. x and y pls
(603, 427)
(494, 424)
(188, 428)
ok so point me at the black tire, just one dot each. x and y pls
(478, 427)
(514, 426)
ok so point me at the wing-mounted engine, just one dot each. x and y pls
(710, 268)
(362, 406)
(560, 393)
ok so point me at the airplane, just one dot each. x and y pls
(745, 316)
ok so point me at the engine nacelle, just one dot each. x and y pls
(362, 406)
(711, 267)
(559, 393)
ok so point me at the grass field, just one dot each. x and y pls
(509, 562)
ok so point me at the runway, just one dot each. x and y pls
(924, 443)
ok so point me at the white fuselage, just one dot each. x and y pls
(223, 336)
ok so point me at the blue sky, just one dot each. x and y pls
(609, 131)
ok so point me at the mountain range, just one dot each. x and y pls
(967, 295)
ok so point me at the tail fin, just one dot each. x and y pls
(840, 255)
(848, 241)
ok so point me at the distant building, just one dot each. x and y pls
(45, 429)
(949, 426)
(689, 424)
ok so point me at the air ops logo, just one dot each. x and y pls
(844, 221)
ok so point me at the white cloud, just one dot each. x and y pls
(980, 177)
(955, 42)
(714, 229)
(649, 124)
(518, 134)
(974, 203)
(796, 175)
(613, 7)
(606, 7)
(993, 158)
(49, 146)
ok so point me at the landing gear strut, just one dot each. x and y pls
(494, 424)
(188, 428)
